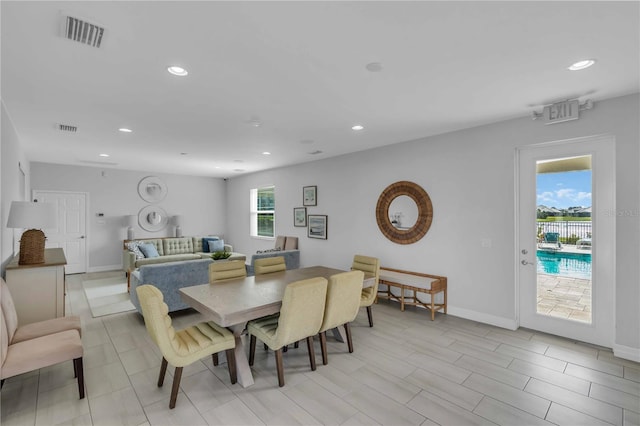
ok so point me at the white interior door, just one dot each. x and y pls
(70, 234)
(598, 327)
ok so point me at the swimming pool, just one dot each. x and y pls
(575, 265)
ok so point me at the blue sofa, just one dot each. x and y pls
(170, 278)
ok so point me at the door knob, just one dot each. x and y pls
(81, 237)
(524, 262)
(524, 251)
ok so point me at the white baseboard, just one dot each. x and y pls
(626, 352)
(507, 323)
(106, 268)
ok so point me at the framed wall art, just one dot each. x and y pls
(317, 226)
(299, 216)
(309, 196)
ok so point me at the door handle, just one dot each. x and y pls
(81, 237)
(524, 262)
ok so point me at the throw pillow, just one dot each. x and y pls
(216, 245)
(149, 250)
(205, 243)
(133, 247)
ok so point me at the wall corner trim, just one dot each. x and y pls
(626, 352)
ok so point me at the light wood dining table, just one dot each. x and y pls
(235, 302)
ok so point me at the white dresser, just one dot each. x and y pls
(38, 290)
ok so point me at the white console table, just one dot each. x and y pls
(38, 290)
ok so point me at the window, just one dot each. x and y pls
(263, 212)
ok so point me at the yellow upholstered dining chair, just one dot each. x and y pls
(184, 347)
(223, 271)
(39, 344)
(268, 265)
(343, 303)
(300, 318)
(369, 265)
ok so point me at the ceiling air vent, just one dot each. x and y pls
(67, 128)
(83, 32)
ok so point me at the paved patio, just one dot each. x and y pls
(564, 297)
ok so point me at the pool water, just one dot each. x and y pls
(574, 265)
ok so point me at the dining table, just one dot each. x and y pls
(233, 303)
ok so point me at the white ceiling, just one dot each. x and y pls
(298, 67)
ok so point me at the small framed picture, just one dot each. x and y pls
(317, 227)
(309, 196)
(299, 216)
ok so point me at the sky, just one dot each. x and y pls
(565, 189)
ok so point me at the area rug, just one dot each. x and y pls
(107, 296)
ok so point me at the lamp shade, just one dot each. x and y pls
(24, 214)
(177, 220)
(130, 220)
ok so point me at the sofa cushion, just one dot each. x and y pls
(166, 259)
(216, 245)
(133, 247)
(149, 250)
(177, 245)
(206, 241)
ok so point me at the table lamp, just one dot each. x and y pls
(27, 215)
(130, 222)
(177, 220)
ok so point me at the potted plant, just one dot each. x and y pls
(220, 255)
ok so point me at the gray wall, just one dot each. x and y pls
(11, 189)
(469, 176)
(199, 200)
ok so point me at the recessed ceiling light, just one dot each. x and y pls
(357, 127)
(580, 65)
(104, 155)
(179, 71)
(125, 130)
(374, 67)
(266, 153)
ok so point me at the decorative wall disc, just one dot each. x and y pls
(153, 218)
(152, 189)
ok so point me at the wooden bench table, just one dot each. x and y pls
(414, 282)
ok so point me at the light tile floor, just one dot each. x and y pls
(405, 370)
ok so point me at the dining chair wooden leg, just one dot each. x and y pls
(296, 345)
(252, 349)
(231, 363)
(280, 367)
(347, 331)
(215, 359)
(265, 347)
(75, 369)
(370, 316)
(77, 364)
(285, 348)
(312, 353)
(163, 370)
(323, 347)
(176, 386)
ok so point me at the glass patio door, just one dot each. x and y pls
(565, 238)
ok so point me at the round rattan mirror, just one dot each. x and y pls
(389, 225)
